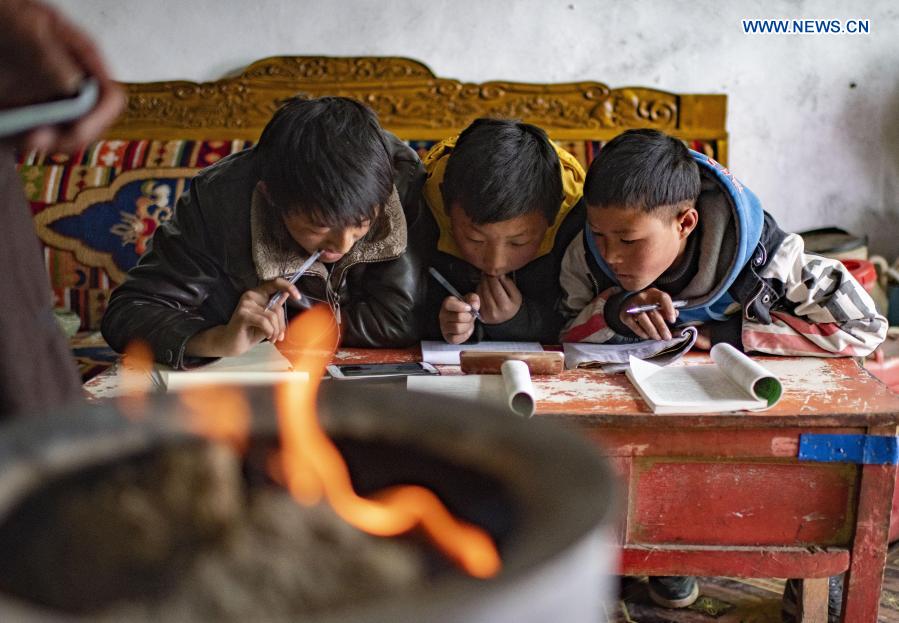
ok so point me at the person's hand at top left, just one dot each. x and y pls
(500, 298)
(43, 56)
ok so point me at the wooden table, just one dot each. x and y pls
(727, 494)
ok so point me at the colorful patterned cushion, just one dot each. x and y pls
(94, 211)
(92, 355)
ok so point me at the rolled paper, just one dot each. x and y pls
(519, 389)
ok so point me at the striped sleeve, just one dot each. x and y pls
(582, 306)
(825, 312)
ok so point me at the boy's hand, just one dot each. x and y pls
(44, 56)
(650, 325)
(500, 298)
(457, 319)
(249, 324)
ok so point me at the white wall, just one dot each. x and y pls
(813, 119)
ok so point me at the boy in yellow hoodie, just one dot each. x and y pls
(505, 204)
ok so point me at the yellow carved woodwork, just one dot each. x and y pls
(411, 102)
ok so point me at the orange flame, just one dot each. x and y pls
(221, 414)
(313, 466)
(137, 379)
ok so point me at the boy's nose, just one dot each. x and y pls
(611, 255)
(342, 241)
(494, 261)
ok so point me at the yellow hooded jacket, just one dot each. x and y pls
(435, 164)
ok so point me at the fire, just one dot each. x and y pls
(309, 465)
(137, 379)
(313, 467)
(219, 413)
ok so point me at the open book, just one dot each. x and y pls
(512, 388)
(615, 357)
(733, 382)
(261, 365)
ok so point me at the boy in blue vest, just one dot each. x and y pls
(667, 224)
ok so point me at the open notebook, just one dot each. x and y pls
(261, 365)
(615, 357)
(733, 382)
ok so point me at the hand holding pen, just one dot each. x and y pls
(259, 315)
(453, 291)
(639, 309)
(648, 314)
(294, 278)
(457, 313)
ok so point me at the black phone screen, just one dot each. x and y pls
(381, 369)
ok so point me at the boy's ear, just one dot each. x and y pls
(687, 220)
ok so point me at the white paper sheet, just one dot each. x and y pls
(441, 353)
(512, 389)
(261, 365)
(264, 357)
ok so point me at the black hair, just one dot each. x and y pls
(327, 158)
(501, 169)
(642, 169)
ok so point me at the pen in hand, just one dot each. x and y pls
(294, 278)
(639, 309)
(449, 288)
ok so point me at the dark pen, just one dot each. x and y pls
(449, 288)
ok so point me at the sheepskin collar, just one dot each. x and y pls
(275, 254)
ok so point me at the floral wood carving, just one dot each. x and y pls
(410, 101)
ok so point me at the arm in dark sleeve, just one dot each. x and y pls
(431, 311)
(387, 300)
(537, 320)
(612, 313)
(729, 331)
(160, 300)
(385, 305)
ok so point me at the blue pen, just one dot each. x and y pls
(449, 288)
(295, 277)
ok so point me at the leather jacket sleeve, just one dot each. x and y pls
(383, 308)
(385, 302)
(160, 302)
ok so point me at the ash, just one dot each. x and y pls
(180, 536)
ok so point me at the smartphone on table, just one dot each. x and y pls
(379, 370)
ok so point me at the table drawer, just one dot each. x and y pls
(740, 503)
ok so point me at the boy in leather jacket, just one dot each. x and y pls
(324, 176)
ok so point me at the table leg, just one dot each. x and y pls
(813, 600)
(864, 580)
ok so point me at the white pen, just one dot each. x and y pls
(639, 309)
(296, 277)
(449, 288)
